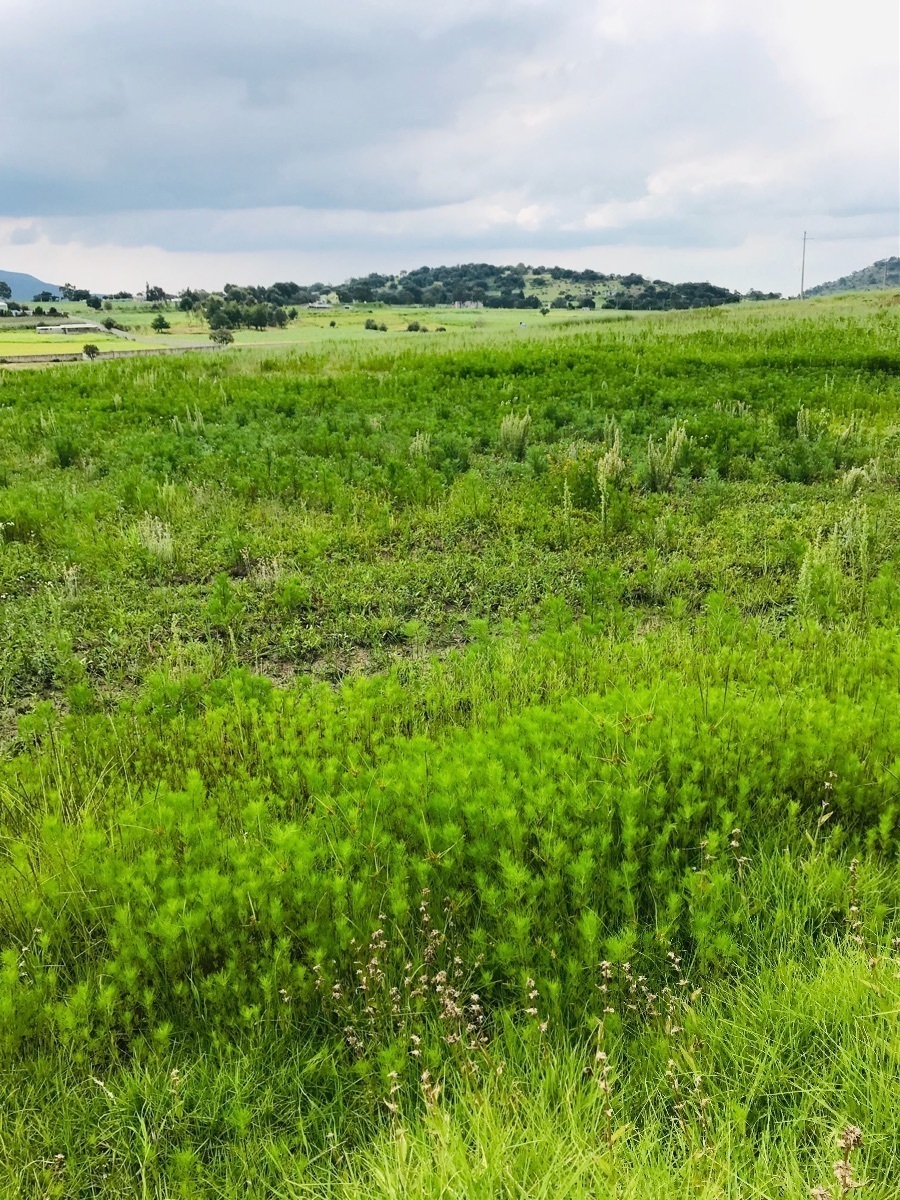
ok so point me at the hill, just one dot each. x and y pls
(493, 286)
(881, 274)
(26, 287)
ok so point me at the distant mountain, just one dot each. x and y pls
(25, 287)
(884, 273)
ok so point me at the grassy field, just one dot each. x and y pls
(456, 765)
(16, 342)
(310, 328)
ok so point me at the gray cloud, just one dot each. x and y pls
(229, 105)
(219, 126)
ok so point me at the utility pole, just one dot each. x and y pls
(803, 266)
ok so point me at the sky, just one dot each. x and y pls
(247, 141)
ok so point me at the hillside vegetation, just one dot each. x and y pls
(460, 768)
(882, 274)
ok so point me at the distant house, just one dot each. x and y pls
(82, 327)
(320, 303)
(468, 304)
(4, 307)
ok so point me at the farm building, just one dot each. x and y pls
(83, 327)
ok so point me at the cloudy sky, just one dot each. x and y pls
(199, 141)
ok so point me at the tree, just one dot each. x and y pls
(222, 337)
(258, 316)
(94, 302)
(160, 324)
(91, 351)
(5, 290)
(156, 295)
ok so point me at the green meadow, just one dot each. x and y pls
(456, 765)
(334, 328)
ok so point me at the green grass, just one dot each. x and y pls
(15, 343)
(327, 707)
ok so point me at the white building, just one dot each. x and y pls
(73, 328)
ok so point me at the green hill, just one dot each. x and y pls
(881, 274)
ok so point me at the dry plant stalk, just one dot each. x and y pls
(662, 461)
(849, 1139)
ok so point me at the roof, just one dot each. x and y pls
(71, 328)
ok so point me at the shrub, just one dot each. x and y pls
(66, 451)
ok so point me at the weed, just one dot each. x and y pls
(513, 436)
(662, 461)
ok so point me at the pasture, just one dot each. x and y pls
(457, 765)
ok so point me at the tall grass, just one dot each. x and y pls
(401, 800)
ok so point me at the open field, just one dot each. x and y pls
(457, 765)
(311, 328)
(18, 342)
